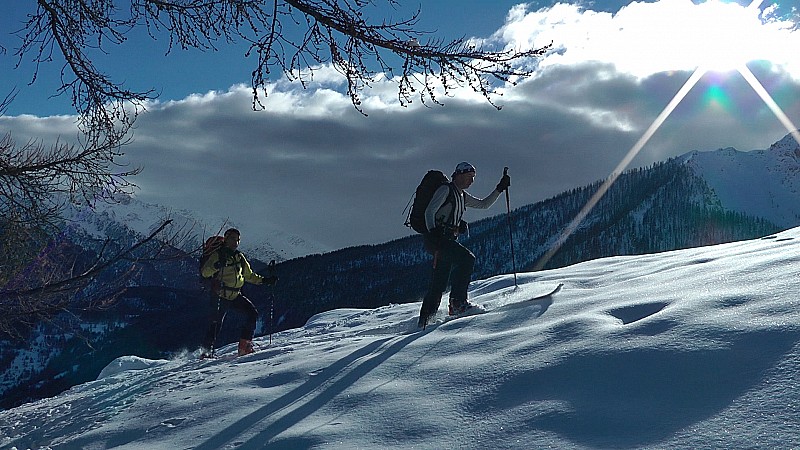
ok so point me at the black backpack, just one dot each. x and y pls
(429, 184)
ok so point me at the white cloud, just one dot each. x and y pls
(646, 38)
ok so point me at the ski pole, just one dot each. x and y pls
(217, 324)
(271, 269)
(510, 231)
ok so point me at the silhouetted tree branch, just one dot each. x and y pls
(46, 287)
(291, 35)
(34, 178)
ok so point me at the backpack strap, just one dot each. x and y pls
(451, 199)
(225, 253)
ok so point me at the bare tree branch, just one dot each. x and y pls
(77, 281)
(33, 176)
(28, 305)
(451, 64)
(291, 35)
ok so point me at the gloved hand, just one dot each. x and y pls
(270, 280)
(219, 264)
(504, 183)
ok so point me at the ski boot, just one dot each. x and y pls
(245, 347)
(457, 307)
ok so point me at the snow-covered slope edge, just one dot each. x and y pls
(693, 349)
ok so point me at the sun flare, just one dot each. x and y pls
(729, 40)
(729, 36)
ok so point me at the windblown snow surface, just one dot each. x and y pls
(687, 349)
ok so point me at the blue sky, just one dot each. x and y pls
(310, 164)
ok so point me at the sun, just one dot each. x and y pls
(725, 36)
(684, 35)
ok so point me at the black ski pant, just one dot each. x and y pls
(220, 307)
(453, 263)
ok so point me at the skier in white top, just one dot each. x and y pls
(452, 261)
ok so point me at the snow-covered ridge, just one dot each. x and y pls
(762, 183)
(688, 349)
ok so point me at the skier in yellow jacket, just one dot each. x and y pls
(230, 270)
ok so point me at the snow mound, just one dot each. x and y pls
(127, 363)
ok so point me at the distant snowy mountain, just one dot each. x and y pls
(761, 183)
(143, 218)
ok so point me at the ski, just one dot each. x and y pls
(543, 301)
(544, 296)
(471, 311)
(218, 358)
(478, 309)
(226, 357)
(230, 358)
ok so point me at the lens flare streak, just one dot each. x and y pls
(770, 102)
(623, 164)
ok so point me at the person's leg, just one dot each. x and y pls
(246, 307)
(432, 300)
(440, 276)
(463, 262)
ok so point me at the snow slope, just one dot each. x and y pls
(687, 349)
